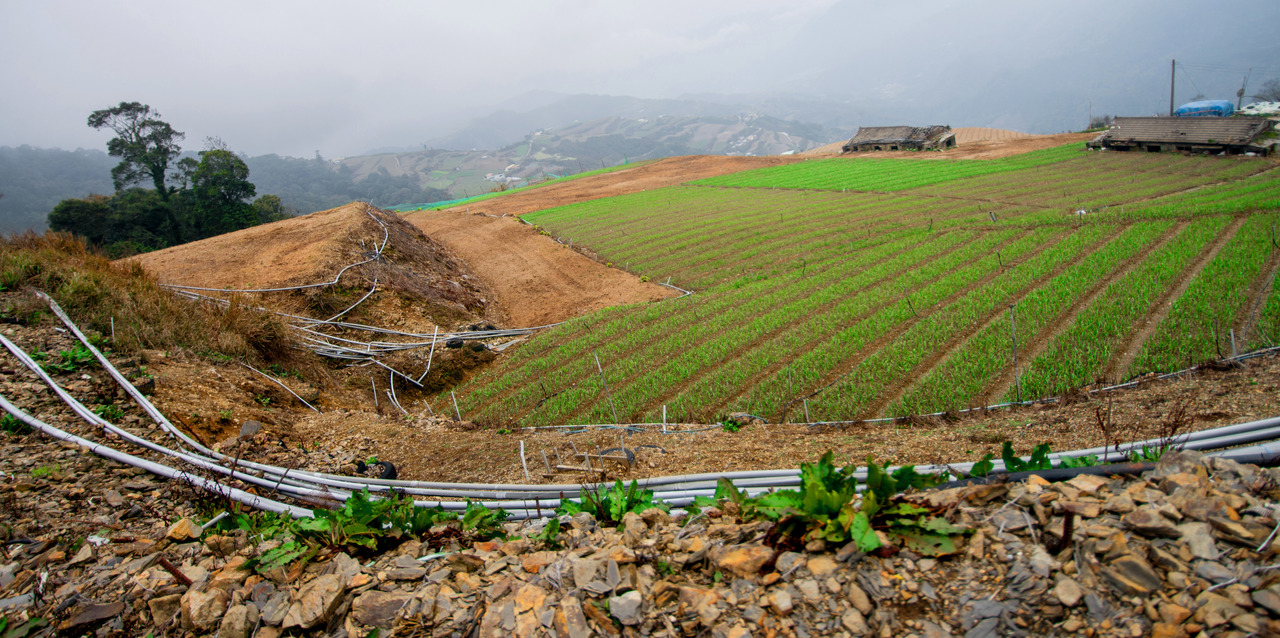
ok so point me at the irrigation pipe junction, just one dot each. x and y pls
(1252, 442)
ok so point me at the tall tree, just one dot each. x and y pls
(145, 144)
(221, 189)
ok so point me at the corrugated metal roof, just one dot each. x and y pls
(1186, 130)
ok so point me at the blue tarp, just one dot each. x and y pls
(1206, 108)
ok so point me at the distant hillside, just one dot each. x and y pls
(33, 180)
(593, 144)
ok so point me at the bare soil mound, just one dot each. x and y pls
(534, 280)
(967, 134)
(259, 257)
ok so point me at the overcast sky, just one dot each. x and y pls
(344, 77)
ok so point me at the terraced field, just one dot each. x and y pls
(841, 289)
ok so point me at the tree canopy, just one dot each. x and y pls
(145, 144)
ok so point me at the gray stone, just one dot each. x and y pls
(274, 607)
(1213, 572)
(377, 608)
(788, 561)
(407, 573)
(1199, 539)
(316, 601)
(164, 608)
(626, 608)
(1148, 521)
(239, 622)
(855, 623)
(1132, 576)
(202, 610)
(988, 628)
(934, 630)
(249, 429)
(781, 603)
(1068, 592)
(1268, 598)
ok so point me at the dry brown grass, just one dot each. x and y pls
(97, 293)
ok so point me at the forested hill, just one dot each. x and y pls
(34, 180)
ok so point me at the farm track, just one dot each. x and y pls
(1128, 351)
(1041, 341)
(997, 314)
(851, 363)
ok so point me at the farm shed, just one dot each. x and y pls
(1231, 135)
(901, 138)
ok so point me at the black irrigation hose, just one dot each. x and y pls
(388, 472)
(1053, 476)
(631, 456)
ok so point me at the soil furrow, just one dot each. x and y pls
(996, 314)
(1256, 297)
(586, 407)
(1046, 336)
(1128, 351)
(676, 390)
(772, 334)
(851, 363)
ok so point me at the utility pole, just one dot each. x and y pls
(1173, 69)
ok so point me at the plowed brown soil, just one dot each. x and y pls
(258, 257)
(535, 280)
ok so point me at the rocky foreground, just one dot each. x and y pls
(94, 548)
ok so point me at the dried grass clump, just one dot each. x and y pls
(95, 291)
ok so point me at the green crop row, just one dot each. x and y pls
(869, 174)
(1198, 326)
(890, 302)
(669, 358)
(1079, 355)
(988, 354)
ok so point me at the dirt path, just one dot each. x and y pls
(534, 280)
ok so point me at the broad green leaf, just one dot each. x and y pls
(861, 533)
(924, 543)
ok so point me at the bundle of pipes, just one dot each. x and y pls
(522, 501)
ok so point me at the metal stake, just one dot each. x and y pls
(455, 406)
(1013, 331)
(522, 463)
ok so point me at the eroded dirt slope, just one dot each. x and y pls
(534, 280)
(258, 257)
